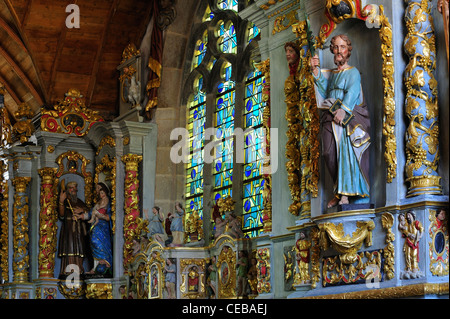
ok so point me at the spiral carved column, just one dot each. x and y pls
(21, 258)
(421, 104)
(47, 223)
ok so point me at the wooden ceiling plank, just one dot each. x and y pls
(93, 80)
(26, 14)
(59, 49)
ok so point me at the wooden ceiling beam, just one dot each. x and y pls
(24, 38)
(5, 26)
(21, 75)
(10, 90)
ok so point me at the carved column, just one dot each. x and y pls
(47, 223)
(133, 224)
(21, 258)
(421, 104)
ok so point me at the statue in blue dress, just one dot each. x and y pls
(156, 228)
(345, 144)
(177, 225)
(101, 232)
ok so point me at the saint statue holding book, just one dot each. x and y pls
(345, 125)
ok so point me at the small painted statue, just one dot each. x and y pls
(302, 247)
(412, 231)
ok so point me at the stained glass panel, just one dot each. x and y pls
(194, 166)
(200, 51)
(224, 123)
(253, 113)
(228, 5)
(254, 154)
(252, 207)
(253, 32)
(227, 38)
(253, 182)
(195, 204)
(208, 15)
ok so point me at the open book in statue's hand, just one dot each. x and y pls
(327, 103)
(336, 106)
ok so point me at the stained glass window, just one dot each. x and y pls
(194, 167)
(230, 33)
(253, 182)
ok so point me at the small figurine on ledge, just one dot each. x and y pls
(412, 231)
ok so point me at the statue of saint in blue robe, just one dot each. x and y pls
(345, 148)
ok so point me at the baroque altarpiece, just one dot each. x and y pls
(392, 244)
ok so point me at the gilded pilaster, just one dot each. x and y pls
(4, 238)
(21, 258)
(47, 223)
(263, 266)
(133, 224)
(302, 148)
(387, 221)
(421, 104)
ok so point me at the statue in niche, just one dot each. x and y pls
(73, 240)
(412, 231)
(154, 277)
(302, 255)
(212, 278)
(193, 279)
(345, 125)
(252, 276)
(100, 232)
(170, 272)
(242, 269)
